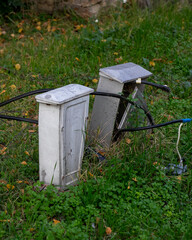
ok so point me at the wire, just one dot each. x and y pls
(19, 119)
(162, 87)
(18, 98)
(23, 96)
(151, 127)
(147, 113)
(177, 149)
(46, 90)
(94, 93)
(116, 96)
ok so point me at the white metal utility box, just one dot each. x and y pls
(110, 114)
(63, 114)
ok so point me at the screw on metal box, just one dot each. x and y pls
(109, 114)
(63, 116)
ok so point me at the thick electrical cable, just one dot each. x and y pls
(23, 96)
(46, 90)
(147, 113)
(149, 127)
(155, 126)
(162, 87)
(106, 94)
(19, 119)
(94, 93)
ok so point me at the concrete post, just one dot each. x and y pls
(110, 114)
(63, 114)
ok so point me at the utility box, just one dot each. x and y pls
(63, 115)
(110, 114)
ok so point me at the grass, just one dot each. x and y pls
(127, 193)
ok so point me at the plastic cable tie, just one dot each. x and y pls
(138, 81)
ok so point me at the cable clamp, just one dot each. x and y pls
(138, 81)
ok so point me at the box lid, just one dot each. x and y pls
(63, 94)
(126, 72)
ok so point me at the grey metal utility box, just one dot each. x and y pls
(110, 114)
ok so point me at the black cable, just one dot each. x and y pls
(18, 98)
(19, 119)
(147, 113)
(149, 127)
(162, 87)
(45, 90)
(114, 95)
(23, 96)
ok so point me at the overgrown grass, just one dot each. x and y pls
(127, 193)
